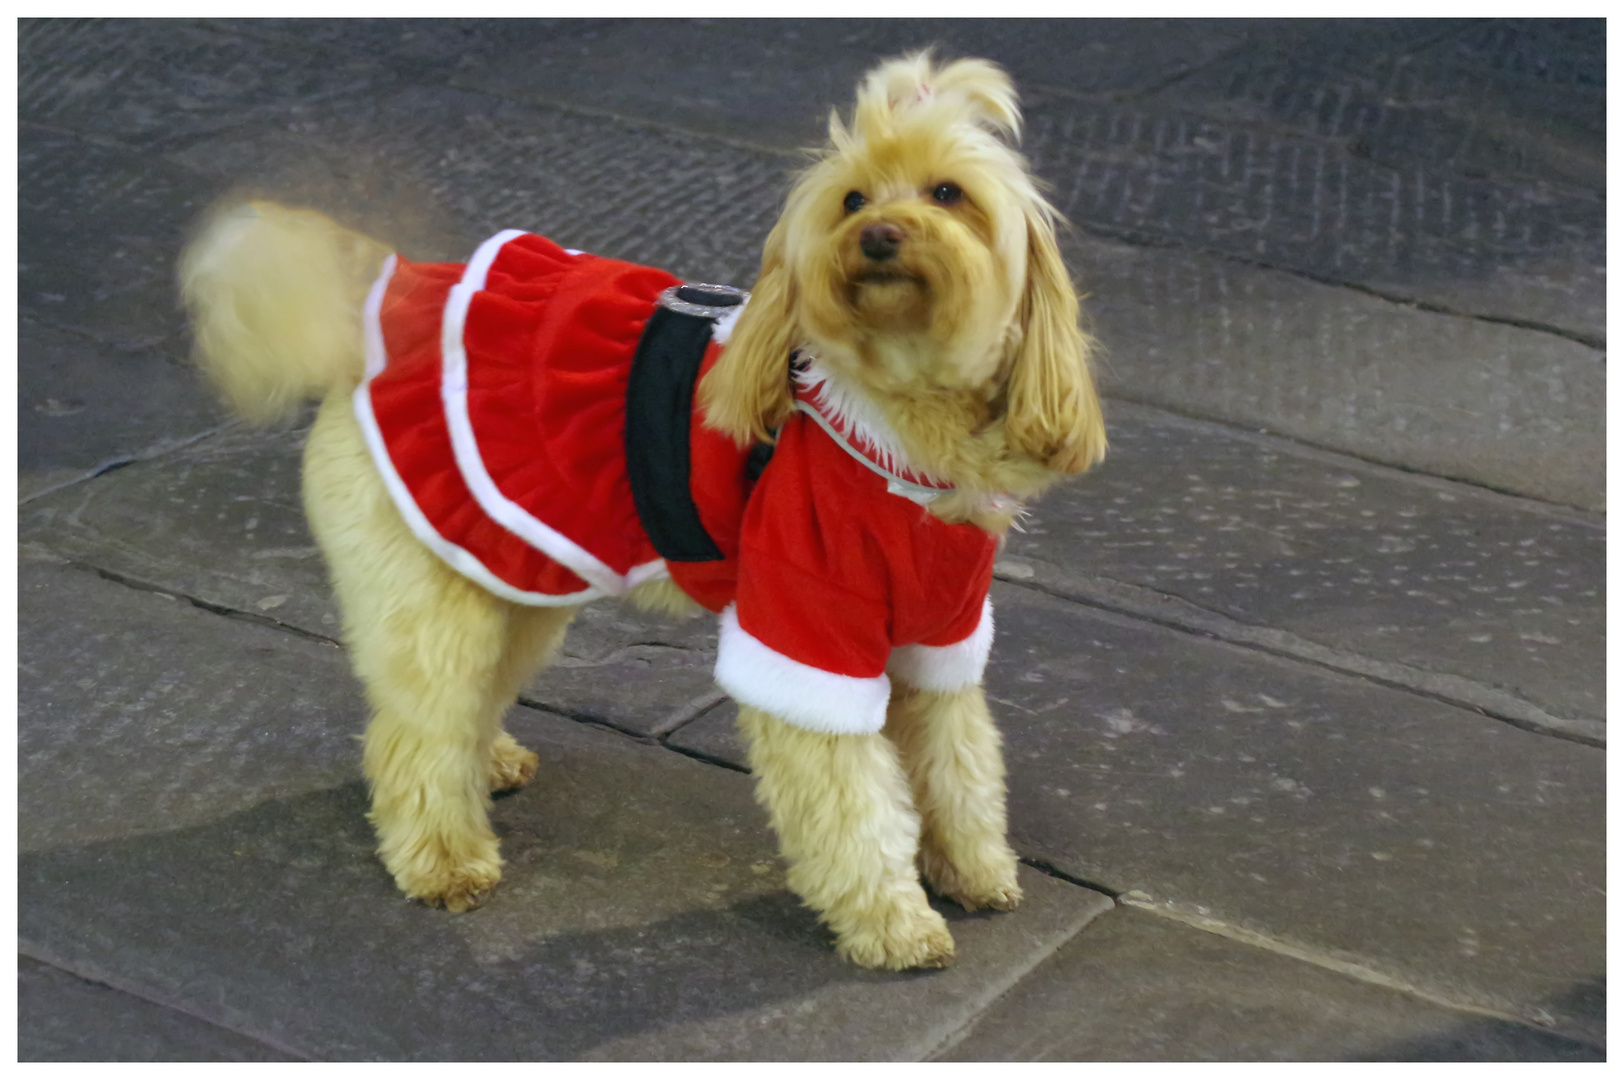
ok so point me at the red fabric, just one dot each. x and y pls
(828, 568)
(835, 570)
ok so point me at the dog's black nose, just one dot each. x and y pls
(880, 240)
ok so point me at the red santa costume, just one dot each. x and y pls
(495, 405)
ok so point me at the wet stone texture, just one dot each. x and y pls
(1217, 783)
(1496, 405)
(1137, 988)
(1440, 577)
(84, 404)
(642, 913)
(64, 1018)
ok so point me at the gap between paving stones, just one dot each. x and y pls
(1180, 913)
(1343, 459)
(114, 464)
(1137, 239)
(91, 973)
(1176, 912)
(1175, 613)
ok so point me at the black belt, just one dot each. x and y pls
(659, 410)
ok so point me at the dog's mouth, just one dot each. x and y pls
(886, 277)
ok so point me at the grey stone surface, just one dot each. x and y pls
(84, 404)
(1133, 987)
(1364, 825)
(98, 228)
(223, 523)
(161, 81)
(1522, 99)
(1441, 577)
(61, 1017)
(142, 714)
(642, 915)
(1485, 247)
(1496, 405)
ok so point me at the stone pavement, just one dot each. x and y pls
(1303, 690)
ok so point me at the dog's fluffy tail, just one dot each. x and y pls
(275, 297)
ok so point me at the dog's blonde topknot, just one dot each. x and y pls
(915, 88)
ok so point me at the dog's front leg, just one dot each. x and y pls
(955, 762)
(845, 822)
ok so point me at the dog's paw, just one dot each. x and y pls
(984, 879)
(904, 935)
(511, 766)
(457, 890)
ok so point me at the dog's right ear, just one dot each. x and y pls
(747, 394)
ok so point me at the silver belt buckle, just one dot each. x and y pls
(706, 301)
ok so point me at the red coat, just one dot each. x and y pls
(494, 407)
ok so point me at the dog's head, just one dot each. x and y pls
(916, 255)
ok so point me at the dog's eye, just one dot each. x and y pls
(854, 201)
(947, 194)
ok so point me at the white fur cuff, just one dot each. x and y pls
(946, 667)
(808, 697)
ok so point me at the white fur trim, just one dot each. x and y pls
(458, 558)
(454, 390)
(808, 697)
(946, 667)
(861, 417)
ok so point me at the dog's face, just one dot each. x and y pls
(917, 255)
(907, 248)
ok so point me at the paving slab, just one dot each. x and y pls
(1395, 568)
(643, 912)
(1522, 99)
(1501, 249)
(224, 524)
(99, 226)
(85, 404)
(1356, 823)
(156, 81)
(1133, 987)
(61, 1017)
(1510, 408)
(475, 164)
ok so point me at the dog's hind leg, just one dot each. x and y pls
(534, 635)
(840, 807)
(433, 652)
(954, 758)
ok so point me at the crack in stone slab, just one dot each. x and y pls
(1353, 968)
(1175, 613)
(152, 453)
(94, 974)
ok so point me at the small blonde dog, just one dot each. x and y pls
(502, 441)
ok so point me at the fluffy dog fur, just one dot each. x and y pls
(963, 335)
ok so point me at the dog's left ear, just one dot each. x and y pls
(747, 394)
(1053, 410)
